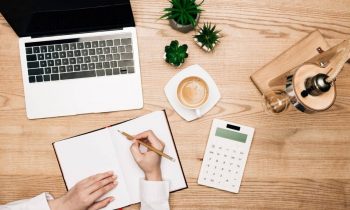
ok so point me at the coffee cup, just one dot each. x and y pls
(193, 93)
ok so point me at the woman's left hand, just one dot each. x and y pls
(85, 193)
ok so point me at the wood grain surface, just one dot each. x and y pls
(296, 161)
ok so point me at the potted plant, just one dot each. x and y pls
(183, 15)
(207, 37)
(175, 54)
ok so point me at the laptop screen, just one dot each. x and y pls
(55, 17)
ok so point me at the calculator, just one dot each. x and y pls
(225, 155)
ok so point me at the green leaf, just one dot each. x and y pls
(183, 11)
(207, 36)
(175, 53)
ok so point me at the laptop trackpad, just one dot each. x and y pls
(105, 94)
(88, 95)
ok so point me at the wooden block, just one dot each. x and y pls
(274, 73)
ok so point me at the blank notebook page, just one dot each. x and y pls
(89, 154)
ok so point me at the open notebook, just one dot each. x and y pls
(106, 149)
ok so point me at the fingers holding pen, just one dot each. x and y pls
(152, 138)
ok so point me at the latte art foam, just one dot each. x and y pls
(193, 92)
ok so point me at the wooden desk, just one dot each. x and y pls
(296, 160)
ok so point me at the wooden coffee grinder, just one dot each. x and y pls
(304, 75)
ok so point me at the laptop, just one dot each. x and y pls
(77, 56)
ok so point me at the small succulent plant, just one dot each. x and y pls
(183, 12)
(175, 53)
(207, 37)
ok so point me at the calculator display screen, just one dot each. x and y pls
(231, 135)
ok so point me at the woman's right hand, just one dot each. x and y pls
(84, 194)
(149, 161)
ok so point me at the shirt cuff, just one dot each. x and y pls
(154, 191)
(40, 201)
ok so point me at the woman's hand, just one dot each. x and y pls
(149, 161)
(84, 194)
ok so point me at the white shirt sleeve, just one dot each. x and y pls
(37, 203)
(154, 195)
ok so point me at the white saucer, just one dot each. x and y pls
(170, 90)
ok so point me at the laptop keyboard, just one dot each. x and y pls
(79, 58)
